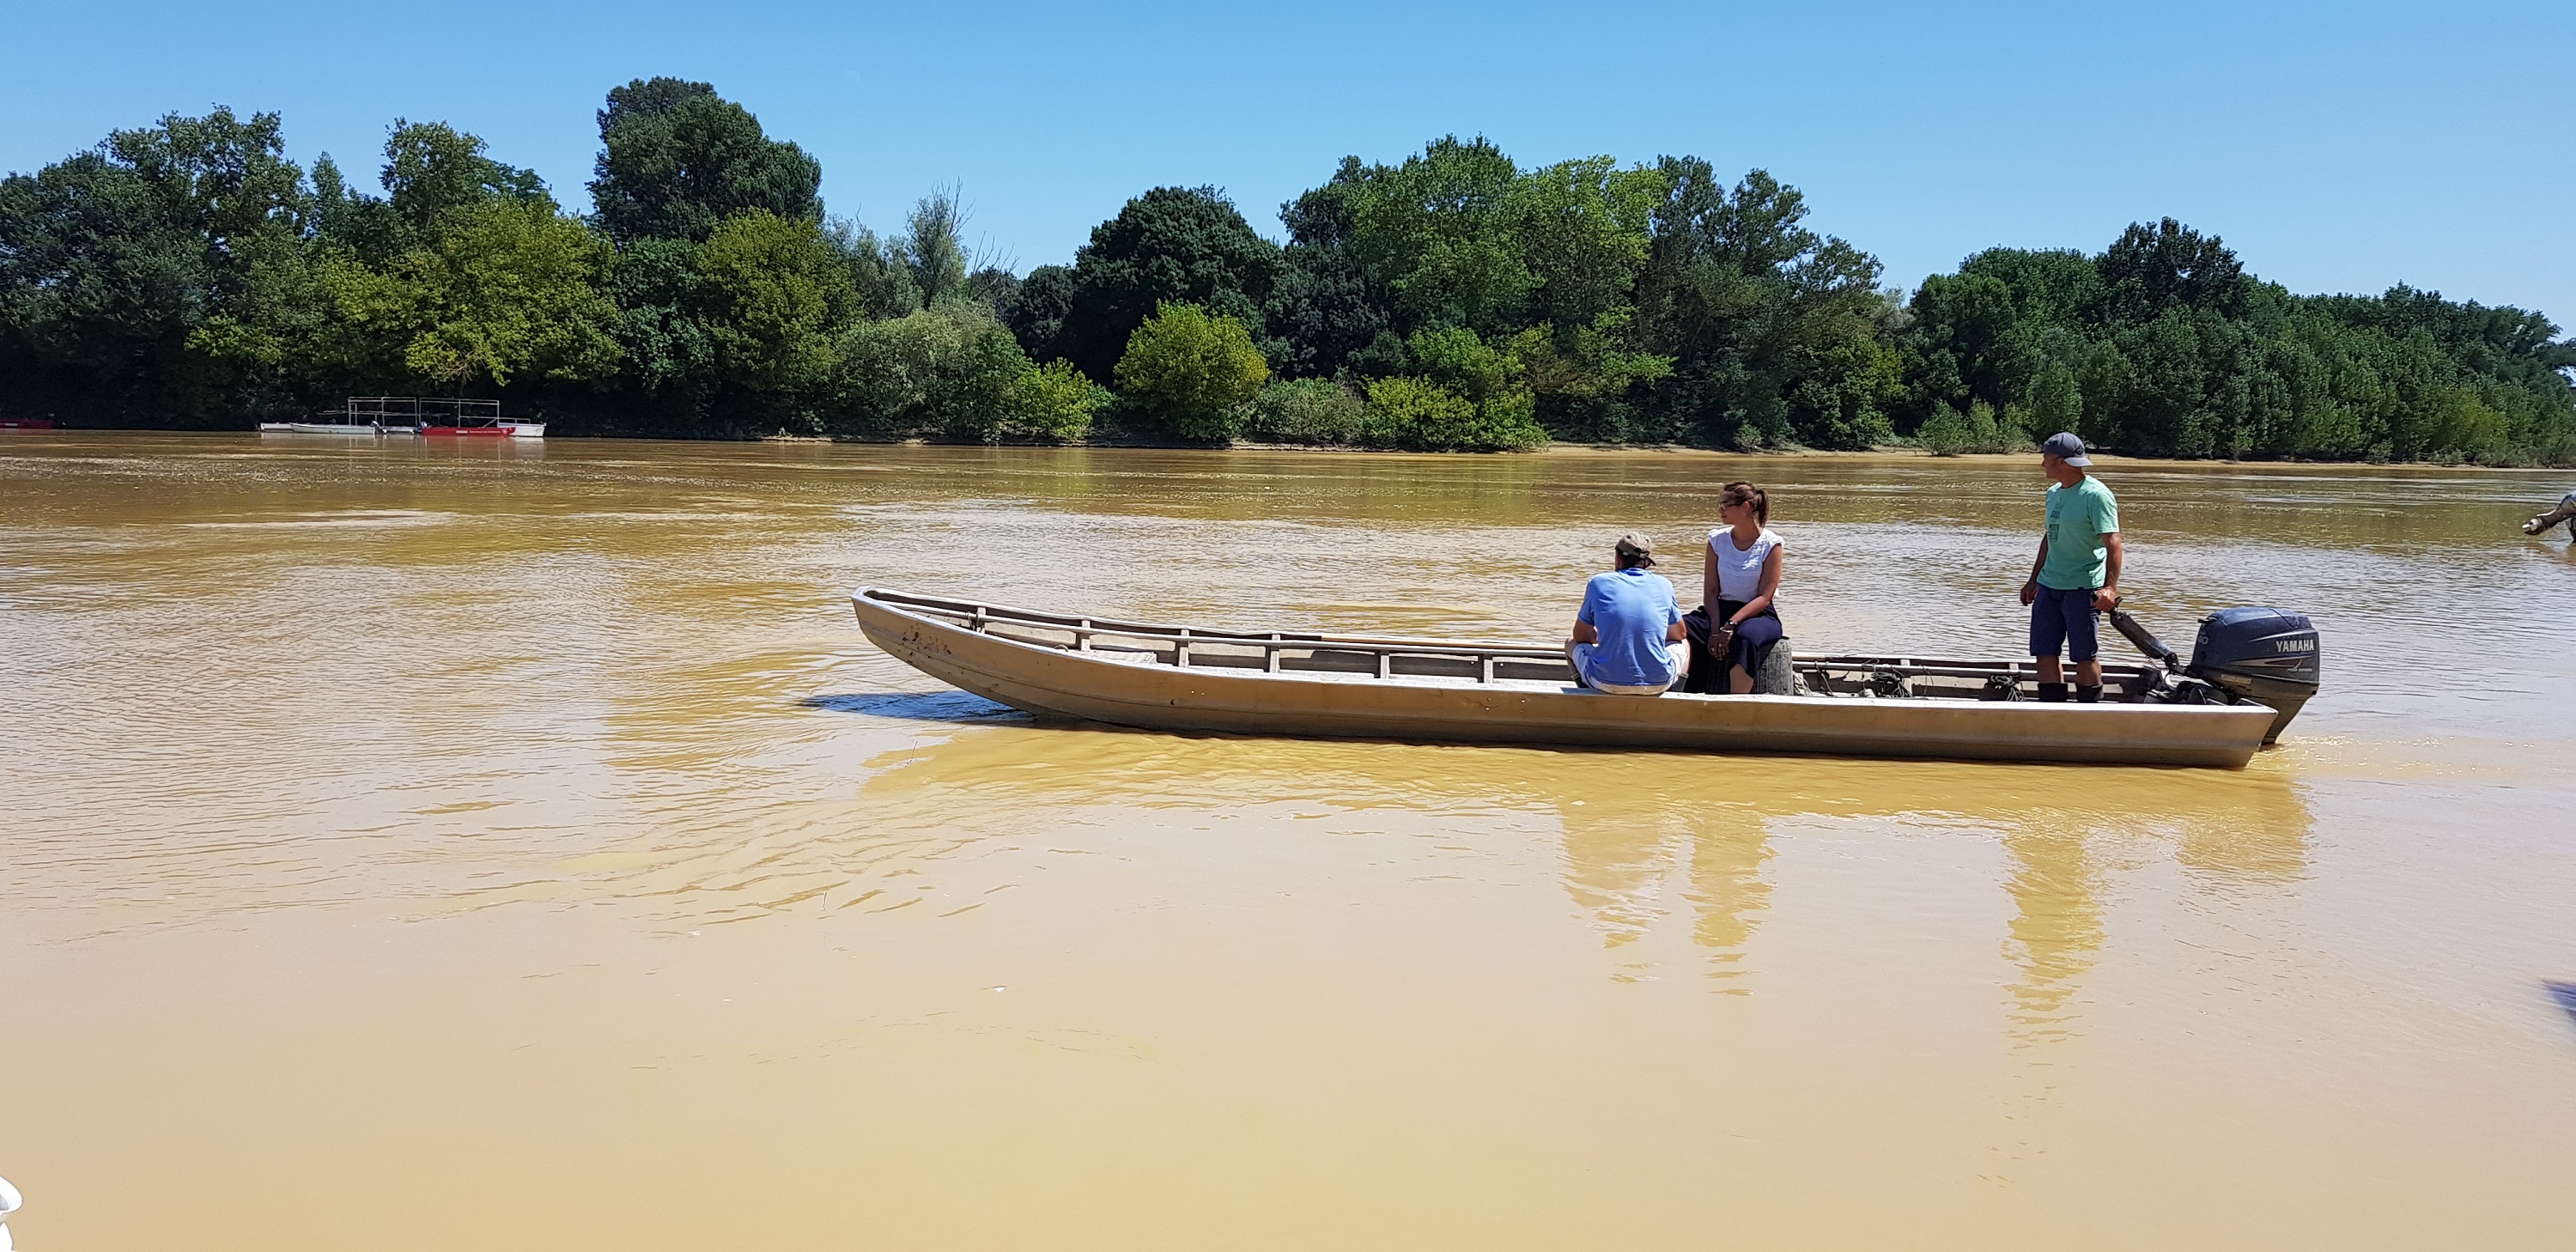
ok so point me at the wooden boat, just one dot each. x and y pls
(26, 423)
(1339, 686)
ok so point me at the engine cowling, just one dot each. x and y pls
(2269, 656)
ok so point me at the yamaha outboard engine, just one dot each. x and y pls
(2264, 655)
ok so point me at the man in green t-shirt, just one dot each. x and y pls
(2077, 575)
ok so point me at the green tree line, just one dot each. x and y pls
(188, 274)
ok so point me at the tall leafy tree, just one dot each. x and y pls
(933, 247)
(676, 159)
(113, 260)
(1774, 330)
(877, 269)
(1585, 227)
(1459, 236)
(465, 273)
(995, 288)
(434, 172)
(775, 294)
(1444, 229)
(1170, 245)
(671, 383)
(1039, 308)
(99, 289)
(506, 290)
(2152, 270)
(2009, 323)
(1327, 306)
(736, 335)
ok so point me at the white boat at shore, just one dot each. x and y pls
(352, 430)
(1336, 686)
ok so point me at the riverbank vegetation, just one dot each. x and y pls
(188, 274)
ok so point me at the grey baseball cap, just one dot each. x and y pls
(1638, 546)
(2066, 447)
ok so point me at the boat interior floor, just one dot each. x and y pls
(1530, 667)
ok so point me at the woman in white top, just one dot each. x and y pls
(1739, 578)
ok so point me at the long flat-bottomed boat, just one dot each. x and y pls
(1283, 683)
(427, 416)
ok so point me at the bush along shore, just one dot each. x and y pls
(188, 275)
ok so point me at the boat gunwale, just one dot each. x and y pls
(1153, 630)
(978, 614)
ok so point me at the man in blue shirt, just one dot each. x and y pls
(1628, 617)
(2077, 574)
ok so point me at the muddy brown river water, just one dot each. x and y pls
(420, 848)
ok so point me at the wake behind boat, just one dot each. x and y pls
(1168, 677)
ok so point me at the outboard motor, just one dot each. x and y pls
(2265, 655)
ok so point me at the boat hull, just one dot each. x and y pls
(342, 429)
(1077, 684)
(505, 430)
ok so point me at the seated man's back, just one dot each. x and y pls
(1633, 612)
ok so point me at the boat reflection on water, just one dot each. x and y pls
(1715, 829)
(437, 449)
(1648, 838)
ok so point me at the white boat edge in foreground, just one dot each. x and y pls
(954, 641)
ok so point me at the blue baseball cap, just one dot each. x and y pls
(2066, 447)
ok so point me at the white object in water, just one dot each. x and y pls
(10, 1201)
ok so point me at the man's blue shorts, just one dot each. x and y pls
(2068, 618)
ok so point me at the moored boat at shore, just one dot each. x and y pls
(1184, 678)
(439, 417)
(493, 430)
(347, 429)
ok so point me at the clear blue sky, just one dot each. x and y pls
(2337, 147)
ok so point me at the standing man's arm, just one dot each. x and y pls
(2109, 596)
(2106, 523)
(2030, 590)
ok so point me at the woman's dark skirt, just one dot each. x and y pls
(1750, 648)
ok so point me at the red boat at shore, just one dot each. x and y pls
(26, 423)
(495, 430)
